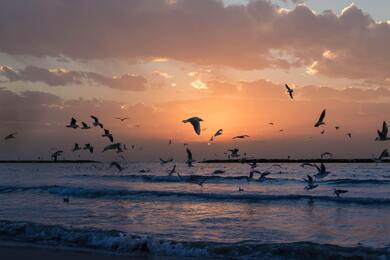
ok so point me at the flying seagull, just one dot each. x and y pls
(10, 136)
(382, 135)
(321, 119)
(55, 155)
(263, 175)
(326, 154)
(271, 123)
(384, 154)
(234, 152)
(337, 192)
(122, 118)
(117, 165)
(195, 122)
(162, 161)
(76, 147)
(289, 91)
(116, 146)
(88, 147)
(337, 127)
(73, 123)
(219, 132)
(85, 126)
(240, 136)
(321, 171)
(172, 171)
(96, 122)
(189, 158)
(311, 184)
(108, 135)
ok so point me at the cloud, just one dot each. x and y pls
(62, 77)
(204, 32)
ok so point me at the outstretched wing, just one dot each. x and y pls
(196, 125)
(322, 116)
(385, 129)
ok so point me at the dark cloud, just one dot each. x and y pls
(60, 77)
(350, 45)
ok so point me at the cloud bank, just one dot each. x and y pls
(253, 36)
(61, 77)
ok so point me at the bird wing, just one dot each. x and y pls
(385, 129)
(73, 121)
(111, 138)
(95, 119)
(84, 124)
(322, 116)
(196, 125)
(287, 87)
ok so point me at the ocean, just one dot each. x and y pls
(153, 214)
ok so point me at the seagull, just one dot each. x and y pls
(172, 171)
(162, 161)
(76, 147)
(117, 165)
(240, 189)
(189, 158)
(88, 147)
(240, 136)
(195, 122)
(10, 136)
(338, 192)
(122, 119)
(73, 123)
(170, 141)
(263, 175)
(85, 126)
(145, 170)
(96, 122)
(337, 127)
(55, 155)
(323, 132)
(384, 154)
(200, 183)
(108, 135)
(218, 171)
(311, 184)
(326, 154)
(270, 123)
(289, 91)
(307, 164)
(321, 171)
(253, 164)
(65, 200)
(116, 146)
(234, 152)
(349, 135)
(321, 119)
(382, 135)
(219, 132)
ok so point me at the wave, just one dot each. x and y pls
(183, 195)
(149, 245)
(217, 179)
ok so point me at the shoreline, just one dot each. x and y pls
(15, 250)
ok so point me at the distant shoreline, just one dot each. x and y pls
(48, 161)
(296, 161)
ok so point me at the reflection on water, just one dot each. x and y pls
(177, 210)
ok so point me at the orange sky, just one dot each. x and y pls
(162, 61)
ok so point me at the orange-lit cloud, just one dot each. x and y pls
(350, 45)
(62, 77)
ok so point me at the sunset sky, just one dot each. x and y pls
(161, 61)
